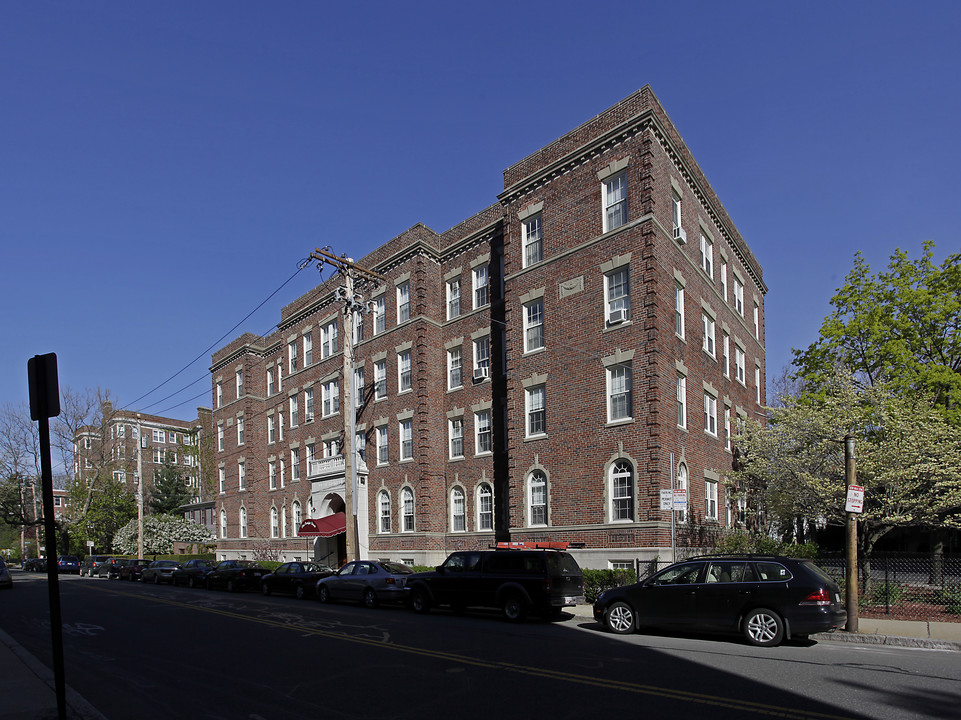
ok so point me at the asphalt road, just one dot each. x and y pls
(146, 652)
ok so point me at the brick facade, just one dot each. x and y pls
(581, 391)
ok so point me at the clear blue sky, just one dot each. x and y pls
(164, 166)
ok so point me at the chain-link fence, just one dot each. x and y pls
(904, 586)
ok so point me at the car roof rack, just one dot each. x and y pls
(745, 556)
(537, 545)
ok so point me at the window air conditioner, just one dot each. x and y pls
(680, 234)
(481, 372)
(617, 316)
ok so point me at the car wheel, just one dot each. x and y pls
(419, 601)
(300, 592)
(763, 627)
(323, 594)
(156, 579)
(370, 598)
(513, 607)
(619, 618)
(264, 589)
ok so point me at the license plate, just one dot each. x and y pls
(837, 598)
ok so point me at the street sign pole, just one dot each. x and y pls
(851, 531)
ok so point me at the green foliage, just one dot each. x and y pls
(739, 541)
(110, 509)
(597, 581)
(169, 491)
(951, 597)
(160, 532)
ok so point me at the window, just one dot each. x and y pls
(379, 315)
(485, 507)
(710, 414)
(283, 522)
(622, 491)
(330, 392)
(618, 285)
(308, 349)
(382, 445)
(619, 393)
(533, 238)
(727, 355)
(710, 500)
(454, 375)
(308, 405)
(220, 394)
(681, 484)
(707, 256)
(295, 464)
(360, 445)
(220, 437)
(707, 323)
(537, 494)
(272, 474)
(679, 310)
(241, 475)
(403, 302)
(723, 278)
(453, 298)
(615, 201)
(358, 326)
(283, 472)
(403, 371)
(271, 429)
(158, 436)
(534, 326)
(739, 364)
(274, 523)
(328, 340)
(407, 503)
(455, 428)
(482, 357)
(222, 473)
(383, 511)
(294, 411)
(240, 383)
(359, 391)
(223, 523)
(738, 296)
(757, 384)
(298, 517)
(676, 213)
(458, 516)
(757, 321)
(536, 413)
(292, 357)
(481, 286)
(406, 439)
(727, 428)
(681, 401)
(482, 431)
(270, 382)
(240, 431)
(380, 380)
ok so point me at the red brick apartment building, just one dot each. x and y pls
(539, 372)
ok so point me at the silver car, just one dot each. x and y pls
(366, 581)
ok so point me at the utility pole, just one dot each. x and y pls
(851, 532)
(353, 275)
(139, 489)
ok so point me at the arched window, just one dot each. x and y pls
(274, 523)
(458, 516)
(485, 507)
(298, 517)
(383, 511)
(537, 495)
(681, 484)
(223, 523)
(283, 521)
(407, 500)
(622, 491)
(243, 522)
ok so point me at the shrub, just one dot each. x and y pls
(597, 581)
(739, 541)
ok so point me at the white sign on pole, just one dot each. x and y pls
(667, 499)
(855, 499)
(680, 499)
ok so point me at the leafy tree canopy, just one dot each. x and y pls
(110, 508)
(160, 532)
(170, 490)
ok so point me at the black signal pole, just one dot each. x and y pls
(45, 404)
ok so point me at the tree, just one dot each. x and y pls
(908, 457)
(109, 509)
(170, 489)
(901, 328)
(160, 532)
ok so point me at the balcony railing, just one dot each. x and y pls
(324, 468)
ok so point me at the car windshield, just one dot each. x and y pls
(397, 568)
(314, 567)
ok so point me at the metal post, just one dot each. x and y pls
(851, 529)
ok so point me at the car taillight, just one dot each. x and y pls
(390, 581)
(818, 597)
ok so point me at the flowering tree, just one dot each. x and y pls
(160, 532)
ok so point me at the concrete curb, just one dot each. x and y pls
(888, 640)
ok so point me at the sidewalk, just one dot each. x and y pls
(897, 633)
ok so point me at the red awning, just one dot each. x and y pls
(325, 527)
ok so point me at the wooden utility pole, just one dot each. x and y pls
(139, 488)
(354, 276)
(851, 531)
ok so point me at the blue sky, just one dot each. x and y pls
(165, 166)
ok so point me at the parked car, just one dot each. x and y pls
(91, 564)
(159, 571)
(68, 564)
(110, 568)
(193, 573)
(296, 578)
(6, 582)
(236, 575)
(517, 581)
(366, 581)
(34, 565)
(766, 598)
(133, 569)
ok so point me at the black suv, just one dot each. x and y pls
(766, 597)
(516, 581)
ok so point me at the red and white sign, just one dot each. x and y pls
(855, 499)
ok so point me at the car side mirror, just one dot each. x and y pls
(441, 569)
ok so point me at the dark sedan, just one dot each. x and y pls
(236, 575)
(766, 598)
(193, 573)
(295, 578)
(133, 570)
(366, 581)
(110, 568)
(159, 571)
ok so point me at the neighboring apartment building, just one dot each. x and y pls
(539, 372)
(111, 450)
